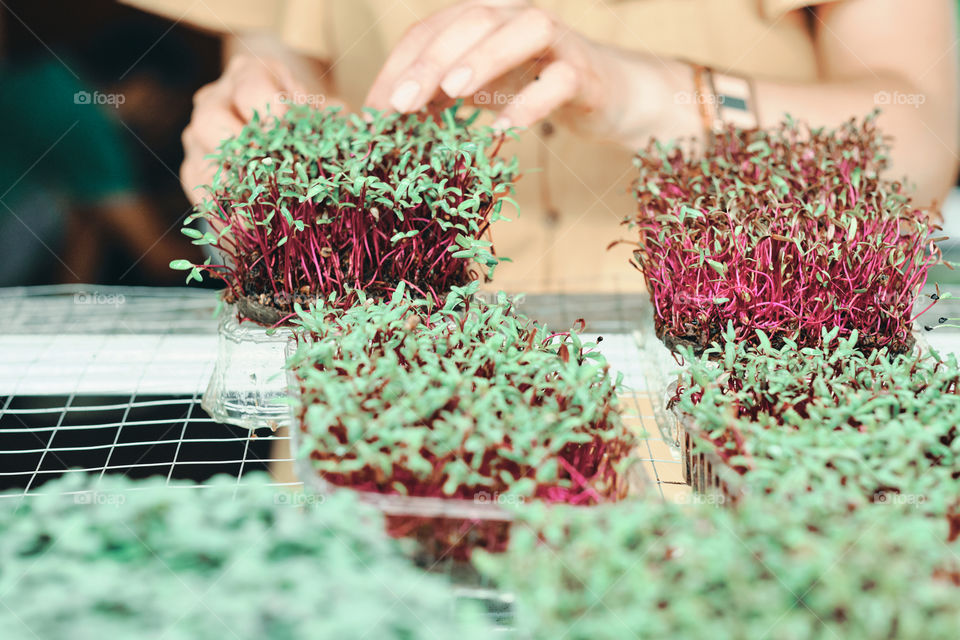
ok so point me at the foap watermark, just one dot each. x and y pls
(694, 497)
(99, 498)
(898, 98)
(485, 497)
(316, 100)
(882, 298)
(299, 499)
(898, 499)
(695, 97)
(96, 97)
(497, 98)
(98, 298)
(492, 297)
(685, 297)
(468, 148)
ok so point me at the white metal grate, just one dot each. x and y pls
(108, 380)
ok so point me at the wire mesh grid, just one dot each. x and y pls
(108, 380)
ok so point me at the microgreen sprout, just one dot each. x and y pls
(788, 231)
(113, 558)
(876, 426)
(468, 401)
(318, 204)
(648, 569)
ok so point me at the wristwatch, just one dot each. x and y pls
(724, 99)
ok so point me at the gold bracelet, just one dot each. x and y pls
(704, 97)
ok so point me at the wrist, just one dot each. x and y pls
(652, 97)
(724, 99)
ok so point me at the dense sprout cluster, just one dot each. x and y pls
(120, 559)
(875, 428)
(788, 231)
(781, 264)
(318, 204)
(767, 570)
(468, 401)
(879, 427)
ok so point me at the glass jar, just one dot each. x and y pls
(248, 387)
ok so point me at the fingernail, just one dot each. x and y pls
(404, 95)
(454, 82)
(501, 124)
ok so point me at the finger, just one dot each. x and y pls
(414, 41)
(557, 84)
(525, 36)
(418, 83)
(257, 85)
(210, 92)
(209, 126)
(194, 174)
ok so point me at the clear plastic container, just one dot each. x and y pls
(442, 527)
(248, 387)
(703, 469)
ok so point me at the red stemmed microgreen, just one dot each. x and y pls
(469, 401)
(831, 418)
(788, 231)
(319, 204)
(768, 569)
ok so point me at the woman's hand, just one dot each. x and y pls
(221, 108)
(523, 62)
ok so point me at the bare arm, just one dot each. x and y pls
(897, 55)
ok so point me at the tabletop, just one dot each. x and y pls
(103, 380)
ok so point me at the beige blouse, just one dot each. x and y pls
(588, 181)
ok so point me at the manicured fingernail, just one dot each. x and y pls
(501, 124)
(456, 81)
(404, 95)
